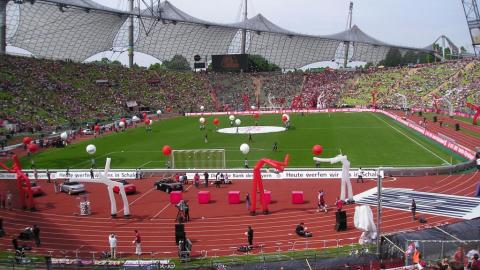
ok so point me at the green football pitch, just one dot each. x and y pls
(368, 139)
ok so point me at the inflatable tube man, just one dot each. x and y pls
(257, 181)
(346, 184)
(477, 112)
(103, 179)
(23, 183)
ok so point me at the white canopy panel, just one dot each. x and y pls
(78, 29)
(50, 31)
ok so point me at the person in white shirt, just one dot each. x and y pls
(360, 175)
(112, 240)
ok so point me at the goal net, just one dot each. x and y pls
(198, 159)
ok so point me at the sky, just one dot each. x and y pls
(413, 23)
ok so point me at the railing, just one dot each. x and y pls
(282, 250)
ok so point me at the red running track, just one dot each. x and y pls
(216, 228)
(468, 141)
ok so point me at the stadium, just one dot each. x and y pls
(240, 145)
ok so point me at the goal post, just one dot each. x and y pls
(198, 159)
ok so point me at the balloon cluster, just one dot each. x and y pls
(32, 147)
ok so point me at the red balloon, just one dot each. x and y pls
(216, 121)
(97, 127)
(123, 120)
(169, 109)
(284, 118)
(256, 115)
(147, 121)
(167, 150)
(32, 148)
(27, 140)
(317, 149)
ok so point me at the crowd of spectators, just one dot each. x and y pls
(43, 94)
(322, 90)
(38, 94)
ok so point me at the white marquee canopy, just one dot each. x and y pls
(78, 29)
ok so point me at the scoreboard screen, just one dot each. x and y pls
(230, 62)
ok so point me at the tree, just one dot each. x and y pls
(106, 62)
(156, 66)
(368, 65)
(393, 58)
(410, 57)
(178, 62)
(463, 50)
(258, 63)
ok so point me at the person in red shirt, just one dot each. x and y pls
(339, 204)
(196, 180)
(138, 243)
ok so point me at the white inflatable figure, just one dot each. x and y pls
(270, 100)
(103, 179)
(320, 102)
(404, 100)
(363, 220)
(346, 184)
(446, 98)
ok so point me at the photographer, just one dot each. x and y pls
(301, 230)
(182, 211)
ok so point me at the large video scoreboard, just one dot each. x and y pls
(230, 62)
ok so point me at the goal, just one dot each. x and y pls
(198, 159)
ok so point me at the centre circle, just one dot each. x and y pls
(251, 130)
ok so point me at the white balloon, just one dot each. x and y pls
(231, 117)
(244, 148)
(159, 112)
(202, 108)
(202, 120)
(135, 119)
(121, 124)
(238, 122)
(64, 136)
(252, 107)
(150, 122)
(91, 149)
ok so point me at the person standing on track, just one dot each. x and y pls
(360, 175)
(339, 204)
(321, 201)
(206, 178)
(36, 235)
(249, 234)
(413, 208)
(112, 241)
(138, 243)
(247, 201)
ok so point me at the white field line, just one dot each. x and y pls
(74, 166)
(413, 140)
(144, 164)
